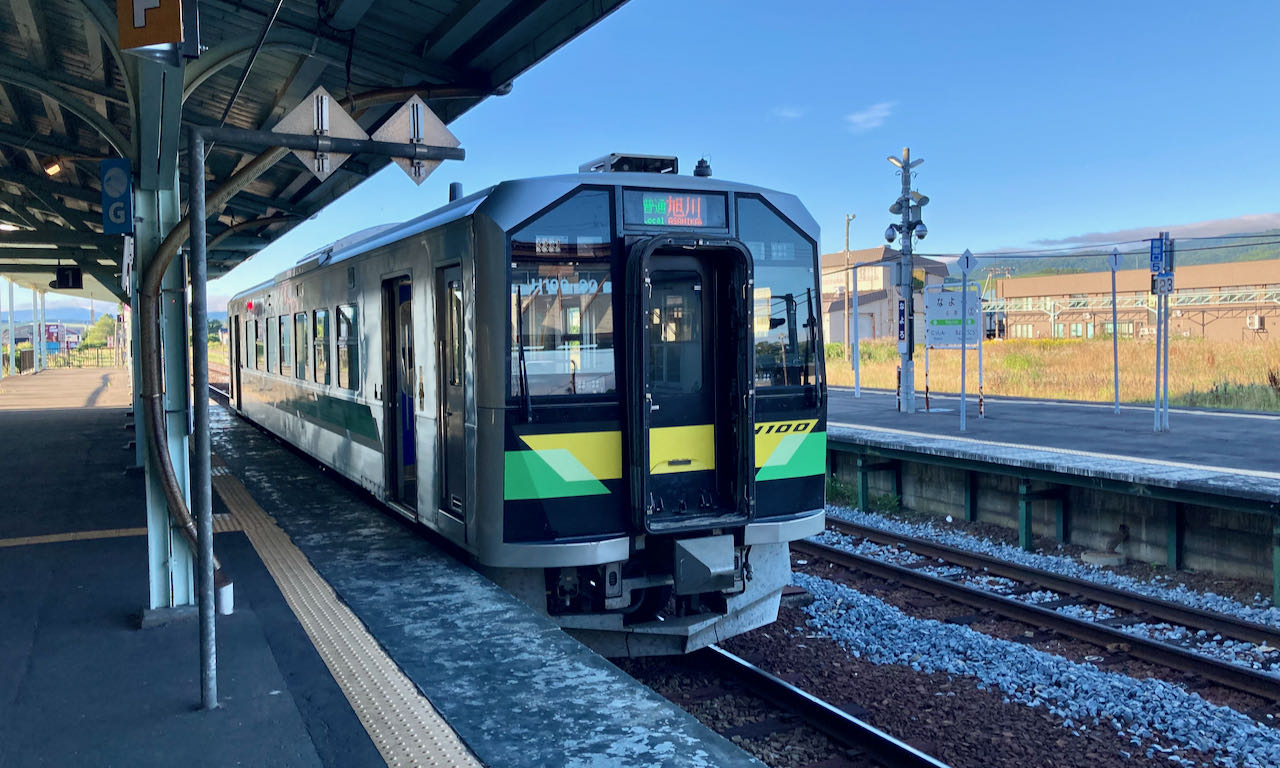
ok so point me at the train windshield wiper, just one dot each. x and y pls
(525, 401)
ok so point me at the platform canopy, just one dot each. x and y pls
(70, 98)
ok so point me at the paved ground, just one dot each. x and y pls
(1221, 439)
(66, 388)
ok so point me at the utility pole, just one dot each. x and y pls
(848, 280)
(908, 204)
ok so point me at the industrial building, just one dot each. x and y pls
(1230, 301)
(877, 291)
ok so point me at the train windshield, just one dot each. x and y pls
(562, 300)
(787, 315)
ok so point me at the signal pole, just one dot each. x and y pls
(909, 206)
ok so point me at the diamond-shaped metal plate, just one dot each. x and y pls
(320, 113)
(415, 123)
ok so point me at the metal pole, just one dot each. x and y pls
(858, 341)
(201, 492)
(964, 343)
(982, 333)
(1168, 300)
(2, 365)
(1160, 327)
(1115, 339)
(847, 279)
(907, 353)
(44, 360)
(13, 339)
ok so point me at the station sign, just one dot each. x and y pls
(117, 196)
(944, 326)
(902, 320)
(148, 22)
(415, 123)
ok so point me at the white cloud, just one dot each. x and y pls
(872, 117)
(788, 113)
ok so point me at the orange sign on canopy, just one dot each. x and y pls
(148, 22)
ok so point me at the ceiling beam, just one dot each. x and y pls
(19, 77)
(467, 19)
(49, 145)
(44, 184)
(61, 237)
(103, 19)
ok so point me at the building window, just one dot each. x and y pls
(320, 322)
(348, 347)
(1077, 330)
(1058, 329)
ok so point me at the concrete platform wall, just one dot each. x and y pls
(1235, 544)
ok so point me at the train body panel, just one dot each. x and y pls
(607, 388)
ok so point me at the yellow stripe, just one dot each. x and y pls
(56, 538)
(682, 449)
(770, 434)
(599, 452)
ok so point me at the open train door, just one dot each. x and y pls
(691, 409)
(398, 393)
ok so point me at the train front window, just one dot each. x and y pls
(562, 321)
(561, 305)
(787, 314)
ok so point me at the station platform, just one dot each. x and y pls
(355, 641)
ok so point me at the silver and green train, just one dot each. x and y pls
(606, 387)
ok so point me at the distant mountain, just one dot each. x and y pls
(1258, 246)
(68, 315)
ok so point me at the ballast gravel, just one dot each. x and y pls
(1261, 610)
(1158, 718)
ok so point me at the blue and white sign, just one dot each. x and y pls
(902, 320)
(117, 196)
(1157, 255)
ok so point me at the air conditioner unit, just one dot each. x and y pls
(1255, 322)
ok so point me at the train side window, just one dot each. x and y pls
(300, 343)
(348, 347)
(286, 347)
(320, 322)
(273, 341)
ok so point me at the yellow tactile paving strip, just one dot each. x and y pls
(403, 725)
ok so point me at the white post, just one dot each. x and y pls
(44, 330)
(1168, 301)
(857, 339)
(982, 334)
(2, 334)
(13, 339)
(964, 342)
(1155, 409)
(1115, 328)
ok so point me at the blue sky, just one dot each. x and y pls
(1037, 121)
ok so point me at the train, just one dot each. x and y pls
(607, 388)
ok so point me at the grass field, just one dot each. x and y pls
(1210, 374)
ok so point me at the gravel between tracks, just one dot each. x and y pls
(1144, 718)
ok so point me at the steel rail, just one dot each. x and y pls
(1164, 610)
(1257, 683)
(832, 721)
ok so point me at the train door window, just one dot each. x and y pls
(242, 355)
(454, 332)
(301, 344)
(286, 347)
(675, 338)
(786, 315)
(252, 344)
(348, 347)
(273, 342)
(320, 321)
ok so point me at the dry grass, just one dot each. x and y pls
(1216, 374)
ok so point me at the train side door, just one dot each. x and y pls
(399, 392)
(451, 364)
(236, 359)
(691, 421)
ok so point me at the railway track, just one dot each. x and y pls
(1255, 682)
(727, 692)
